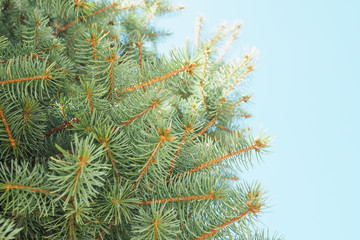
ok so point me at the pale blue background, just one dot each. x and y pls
(306, 91)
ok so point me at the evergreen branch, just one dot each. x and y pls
(41, 77)
(234, 178)
(177, 108)
(173, 9)
(93, 42)
(225, 224)
(257, 146)
(147, 109)
(34, 55)
(213, 121)
(79, 19)
(8, 186)
(186, 68)
(111, 60)
(245, 115)
(81, 4)
(103, 30)
(163, 137)
(153, 11)
(72, 36)
(203, 96)
(218, 35)
(179, 199)
(248, 70)
(187, 130)
(226, 129)
(109, 154)
(50, 63)
(63, 111)
(206, 53)
(61, 127)
(233, 38)
(88, 93)
(213, 138)
(148, 162)
(157, 34)
(113, 5)
(71, 227)
(243, 99)
(199, 32)
(5, 123)
(139, 45)
(247, 60)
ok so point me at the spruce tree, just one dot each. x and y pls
(103, 138)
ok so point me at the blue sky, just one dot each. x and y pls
(306, 95)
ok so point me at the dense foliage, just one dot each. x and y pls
(102, 138)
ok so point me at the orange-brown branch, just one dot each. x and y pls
(219, 159)
(104, 143)
(234, 178)
(92, 14)
(187, 130)
(154, 104)
(149, 161)
(248, 70)
(43, 50)
(88, 93)
(199, 32)
(233, 38)
(7, 129)
(156, 223)
(81, 163)
(186, 68)
(244, 99)
(43, 77)
(179, 199)
(63, 111)
(111, 60)
(102, 10)
(50, 63)
(80, 4)
(174, 9)
(37, 23)
(33, 55)
(139, 45)
(213, 120)
(227, 130)
(61, 127)
(103, 30)
(222, 226)
(71, 227)
(206, 62)
(93, 42)
(72, 36)
(113, 163)
(203, 95)
(163, 137)
(157, 34)
(218, 35)
(32, 189)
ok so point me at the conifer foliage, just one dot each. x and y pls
(102, 138)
